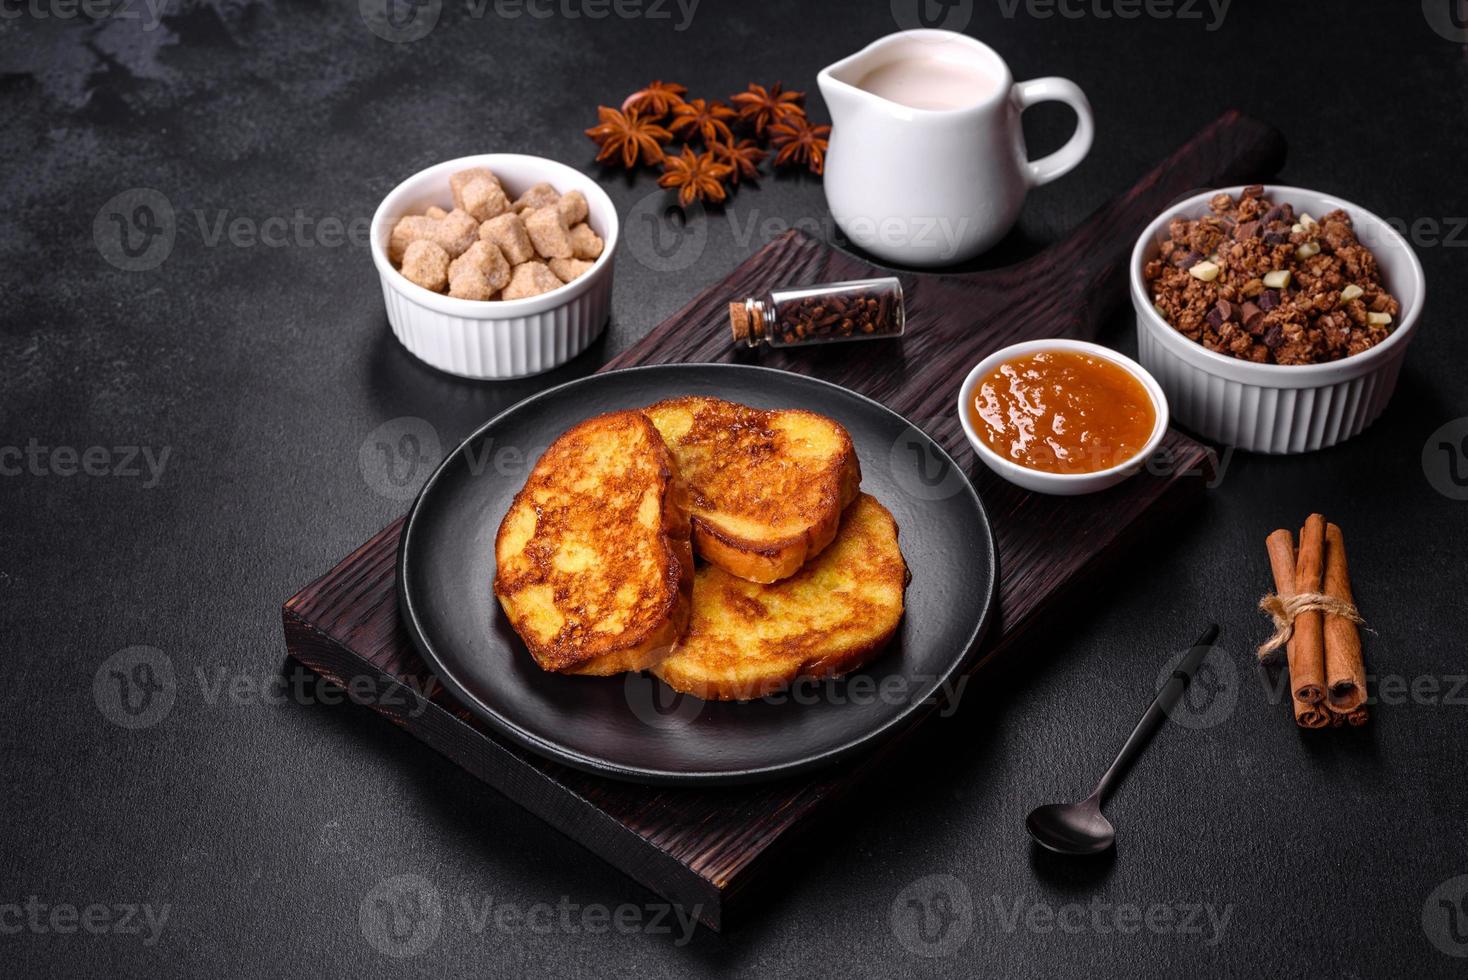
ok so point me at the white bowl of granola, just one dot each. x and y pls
(436, 303)
(1289, 360)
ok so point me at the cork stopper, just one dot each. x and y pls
(739, 321)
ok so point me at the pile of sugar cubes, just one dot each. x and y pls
(489, 248)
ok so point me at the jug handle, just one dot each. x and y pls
(1065, 159)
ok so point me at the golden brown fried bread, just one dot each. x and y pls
(595, 562)
(768, 487)
(747, 640)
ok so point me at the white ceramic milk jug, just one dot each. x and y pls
(927, 163)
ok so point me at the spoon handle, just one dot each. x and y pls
(1156, 712)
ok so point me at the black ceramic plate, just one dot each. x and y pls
(632, 727)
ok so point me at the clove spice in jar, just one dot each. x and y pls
(863, 309)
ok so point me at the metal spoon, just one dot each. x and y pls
(1079, 828)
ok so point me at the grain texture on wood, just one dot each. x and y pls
(708, 848)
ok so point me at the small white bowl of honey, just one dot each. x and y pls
(1062, 417)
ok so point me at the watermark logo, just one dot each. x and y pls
(401, 916)
(135, 687)
(398, 455)
(948, 15)
(657, 705)
(135, 230)
(933, 916)
(664, 237)
(1447, 18)
(1212, 695)
(923, 471)
(1445, 459)
(1445, 917)
(400, 21)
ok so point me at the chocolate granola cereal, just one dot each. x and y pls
(1256, 281)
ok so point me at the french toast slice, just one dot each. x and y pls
(767, 487)
(594, 560)
(747, 640)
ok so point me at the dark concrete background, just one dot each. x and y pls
(264, 824)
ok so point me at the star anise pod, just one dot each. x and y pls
(629, 136)
(799, 142)
(697, 176)
(656, 100)
(743, 158)
(707, 119)
(759, 108)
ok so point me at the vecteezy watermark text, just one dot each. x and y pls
(660, 707)
(1100, 917)
(402, 916)
(137, 687)
(934, 916)
(1213, 11)
(136, 230)
(300, 230)
(148, 13)
(124, 462)
(95, 919)
(405, 21)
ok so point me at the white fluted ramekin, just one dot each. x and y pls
(497, 338)
(1279, 408)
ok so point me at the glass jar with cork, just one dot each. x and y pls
(862, 309)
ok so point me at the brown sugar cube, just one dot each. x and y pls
(508, 232)
(548, 233)
(409, 229)
(462, 179)
(427, 264)
(470, 282)
(483, 199)
(435, 212)
(456, 232)
(573, 208)
(472, 290)
(585, 243)
(479, 273)
(568, 269)
(537, 197)
(531, 279)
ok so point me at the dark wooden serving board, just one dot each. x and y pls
(705, 848)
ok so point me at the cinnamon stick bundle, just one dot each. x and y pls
(1282, 561)
(1315, 616)
(1345, 672)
